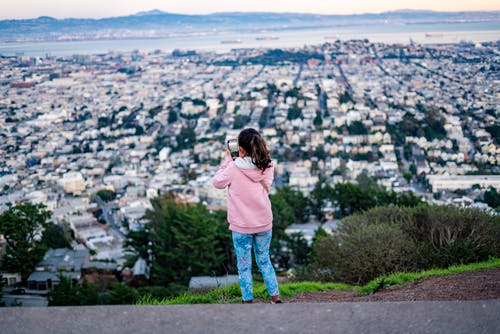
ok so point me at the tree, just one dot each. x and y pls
(106, 195)
(68, 294)
(186, 138)
(186, 240)
(366, 182)
(321, 193)
(294, 112)
(22, 227)
(357, 128)
(492, 197)
(172, 117)
(283, 216)
(318, 120)
(54, 236)
(299, 248)
(240, 121)
(63, 294)
(296, 200)
(120, 294)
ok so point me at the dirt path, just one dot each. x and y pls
(474, 285)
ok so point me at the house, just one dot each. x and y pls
(56, 262)
(10, 279)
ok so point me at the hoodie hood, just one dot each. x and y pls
(248, 168)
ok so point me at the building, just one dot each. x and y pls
(454, 182)
(56, 262)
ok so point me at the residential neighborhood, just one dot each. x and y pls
(415, 118)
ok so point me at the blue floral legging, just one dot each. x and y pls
(243, 247)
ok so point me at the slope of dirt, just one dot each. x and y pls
(473, 285)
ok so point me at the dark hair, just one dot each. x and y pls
(251, 141)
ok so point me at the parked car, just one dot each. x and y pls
(18, 291)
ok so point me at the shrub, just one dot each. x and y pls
(449, 235)
(374, 250)
(384, 240)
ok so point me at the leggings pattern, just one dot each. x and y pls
(260, 242)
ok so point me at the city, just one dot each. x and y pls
(414, 118)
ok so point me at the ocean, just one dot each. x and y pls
(222, 42)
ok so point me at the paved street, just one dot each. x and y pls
(399, 317)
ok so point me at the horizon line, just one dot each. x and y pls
(252, 12)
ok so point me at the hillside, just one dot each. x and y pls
(154, 24)
(472, 285)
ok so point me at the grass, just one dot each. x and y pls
(231, 294)
(399, 278)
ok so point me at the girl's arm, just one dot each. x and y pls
(222, 177)
(268, 180)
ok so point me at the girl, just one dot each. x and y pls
(248, 179)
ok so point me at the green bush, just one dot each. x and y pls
(384, 240)
(365, 253)
(449, 235)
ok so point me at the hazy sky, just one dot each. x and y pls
(12, 9)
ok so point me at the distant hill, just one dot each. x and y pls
(156, 23)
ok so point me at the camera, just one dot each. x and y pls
(233, 147)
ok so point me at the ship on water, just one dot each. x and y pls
(231, 41)
(434, 34)
(267, 38)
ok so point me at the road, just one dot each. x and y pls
(444, 317)
(25, 300)
(107, 214)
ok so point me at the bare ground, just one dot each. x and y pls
(473, 285)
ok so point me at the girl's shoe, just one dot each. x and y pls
(277, 302)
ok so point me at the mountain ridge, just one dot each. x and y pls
(162, 23)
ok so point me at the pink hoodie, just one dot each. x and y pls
(248, 205)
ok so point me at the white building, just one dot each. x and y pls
(454, 182)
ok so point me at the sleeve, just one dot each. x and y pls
(222, 177)
(268, 179)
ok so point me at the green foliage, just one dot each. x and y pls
(240, 121)
(138, 241)
(449, 235)
(22, 226)
(232, 294)
(321, 193)
(172, 117)
(345, 98)
(299, 248)
(296, 200)
(161, 292)
(390, 239)
(431, 127)
(318, 120)
(68, 294)
(186, 138)
(350, 198)
(120, 294)
(103, 122)
(187, 240)
(54, 236)
(494, 131)
(492, 197)
(294, 112)
(365, 252)
(106, 195)
(278, 56)
(63, 294)
(357, 128)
